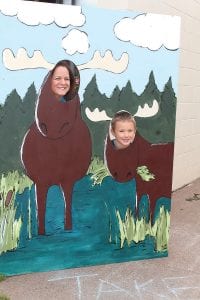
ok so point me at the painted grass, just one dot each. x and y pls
(97, 170)
(132, 230)
(10, 184)
(144, 173)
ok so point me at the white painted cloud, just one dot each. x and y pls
(75, 41)
(150, 31)
(35, 13)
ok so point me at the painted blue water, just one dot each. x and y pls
(94, 222)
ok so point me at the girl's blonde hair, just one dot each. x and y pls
(122, 115)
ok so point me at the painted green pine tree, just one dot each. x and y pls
(92, 96)
(10, 132)
(150, 92)
(159, 128)
(98, 130)
(168, 108)
(128, 100)
(29, 102)
(15, 118)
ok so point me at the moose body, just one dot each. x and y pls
(158, 158)
(56, 150)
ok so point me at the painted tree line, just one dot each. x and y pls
(17, 114)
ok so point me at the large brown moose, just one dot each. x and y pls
(56, 149)
(158, 158)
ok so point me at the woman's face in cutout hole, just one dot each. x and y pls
(65, 80)
(60, 83)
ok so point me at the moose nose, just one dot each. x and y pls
(123, 177)
(43, 128)
(64, 127)
(129, 175)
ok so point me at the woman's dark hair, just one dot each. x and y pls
(73, 75)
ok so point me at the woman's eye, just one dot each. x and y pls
(59, 78)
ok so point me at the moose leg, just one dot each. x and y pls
(41, 194)
(67, 191)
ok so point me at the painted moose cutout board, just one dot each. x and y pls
(76, 180)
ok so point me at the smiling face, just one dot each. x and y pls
(124, 133)
(60, 83)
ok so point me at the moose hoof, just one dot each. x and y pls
(68, 226)
(41, 231)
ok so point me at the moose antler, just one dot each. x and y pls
(22, 61)
(96, 115)
(107, 62)
(145, 112)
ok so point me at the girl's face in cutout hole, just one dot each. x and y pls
(124, 133)
(60, 83)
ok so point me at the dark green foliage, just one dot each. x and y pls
(168, 106)
(10, 132)
(92, 99)
(29, 106)
(161, 127)
(127, 100)
(150, 92)
(16, 115)
(150, 128)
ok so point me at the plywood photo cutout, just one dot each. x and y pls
(87, 123)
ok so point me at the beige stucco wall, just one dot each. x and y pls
(187, 141)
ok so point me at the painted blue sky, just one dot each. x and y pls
(147, 45)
